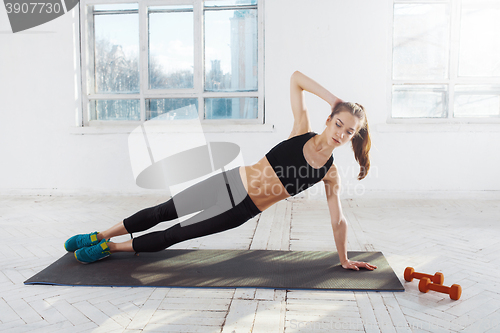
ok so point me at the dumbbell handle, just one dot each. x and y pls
(419, 276)
(410, 274)
(439, 288)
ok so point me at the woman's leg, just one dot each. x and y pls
(195, 198)
(218, 220)
(142, 220)
(231, 209)
(208, 196)
(160, 240)
(116, 230)
(192, 199)
(121, 247)
(215, 223)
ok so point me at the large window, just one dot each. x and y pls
(446, 59)
(172, 60)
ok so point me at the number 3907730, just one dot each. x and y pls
(33, 7)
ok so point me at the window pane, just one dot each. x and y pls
(171, 51)
(187, 8)
(479, 39)
(477, 101)
(116, 53)
(124, 6)
(231, 50)
(218, 3)
(172, 108)
(421, 41)
(127, 109)
(231, 108)
(419, 101)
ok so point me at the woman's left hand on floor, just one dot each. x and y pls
(356, 265)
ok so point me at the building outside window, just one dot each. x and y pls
(172, 60)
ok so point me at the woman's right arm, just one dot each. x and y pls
(298, 84)
(338, 221)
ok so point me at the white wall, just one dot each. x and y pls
(341, 44)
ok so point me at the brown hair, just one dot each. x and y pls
(361, 142)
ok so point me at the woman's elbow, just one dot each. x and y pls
(294, 75)
(339, 223)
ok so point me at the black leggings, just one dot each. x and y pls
(222, 200)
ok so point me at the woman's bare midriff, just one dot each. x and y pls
(262, 184)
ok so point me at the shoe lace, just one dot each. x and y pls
(96, 250)
(81, 241)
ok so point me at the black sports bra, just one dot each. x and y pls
(289, 164)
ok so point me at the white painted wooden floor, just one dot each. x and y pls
(459, 237)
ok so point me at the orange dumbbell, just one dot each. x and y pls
(425, 284)
(410, 274)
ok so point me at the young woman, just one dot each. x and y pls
(290, 167)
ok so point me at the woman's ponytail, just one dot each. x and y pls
(361, 145)
(361, 142)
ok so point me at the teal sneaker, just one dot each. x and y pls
(93, 253)
(80, 241)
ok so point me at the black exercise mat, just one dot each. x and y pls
(224, 268)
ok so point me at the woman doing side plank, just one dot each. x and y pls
(229, 199)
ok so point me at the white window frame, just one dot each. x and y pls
(454, 79)
(87, 42)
